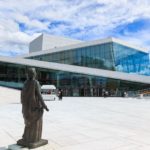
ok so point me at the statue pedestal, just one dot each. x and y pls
(32, 145)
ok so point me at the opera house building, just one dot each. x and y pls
(80, 68)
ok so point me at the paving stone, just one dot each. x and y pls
(79, 123)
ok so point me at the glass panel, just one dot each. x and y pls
(131, 60)
(13, 75)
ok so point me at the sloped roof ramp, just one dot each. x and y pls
(78, 69)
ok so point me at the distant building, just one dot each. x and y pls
(81, 68)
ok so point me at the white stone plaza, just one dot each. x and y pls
(81, 123)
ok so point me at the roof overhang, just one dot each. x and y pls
(83, 44)
(77, 69)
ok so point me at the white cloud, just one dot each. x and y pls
(80, 19)
(139, 38)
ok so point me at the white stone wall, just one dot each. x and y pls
(50, 42)
(36, 44)
(45, 42)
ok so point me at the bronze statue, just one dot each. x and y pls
(32, 110)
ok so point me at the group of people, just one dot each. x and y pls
(106, 93)
(124, 94)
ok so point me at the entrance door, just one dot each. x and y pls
(97, 91)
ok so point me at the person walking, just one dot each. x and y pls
(60, 94)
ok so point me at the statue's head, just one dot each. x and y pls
(31, 73)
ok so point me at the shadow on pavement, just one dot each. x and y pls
(3, 148)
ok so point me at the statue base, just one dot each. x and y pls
(22, 143)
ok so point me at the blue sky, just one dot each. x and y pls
(22, 21)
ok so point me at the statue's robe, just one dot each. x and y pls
(32, 109)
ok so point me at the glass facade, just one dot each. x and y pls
(109, 56)
(97, 56)
(72, 84)
(131, 60)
